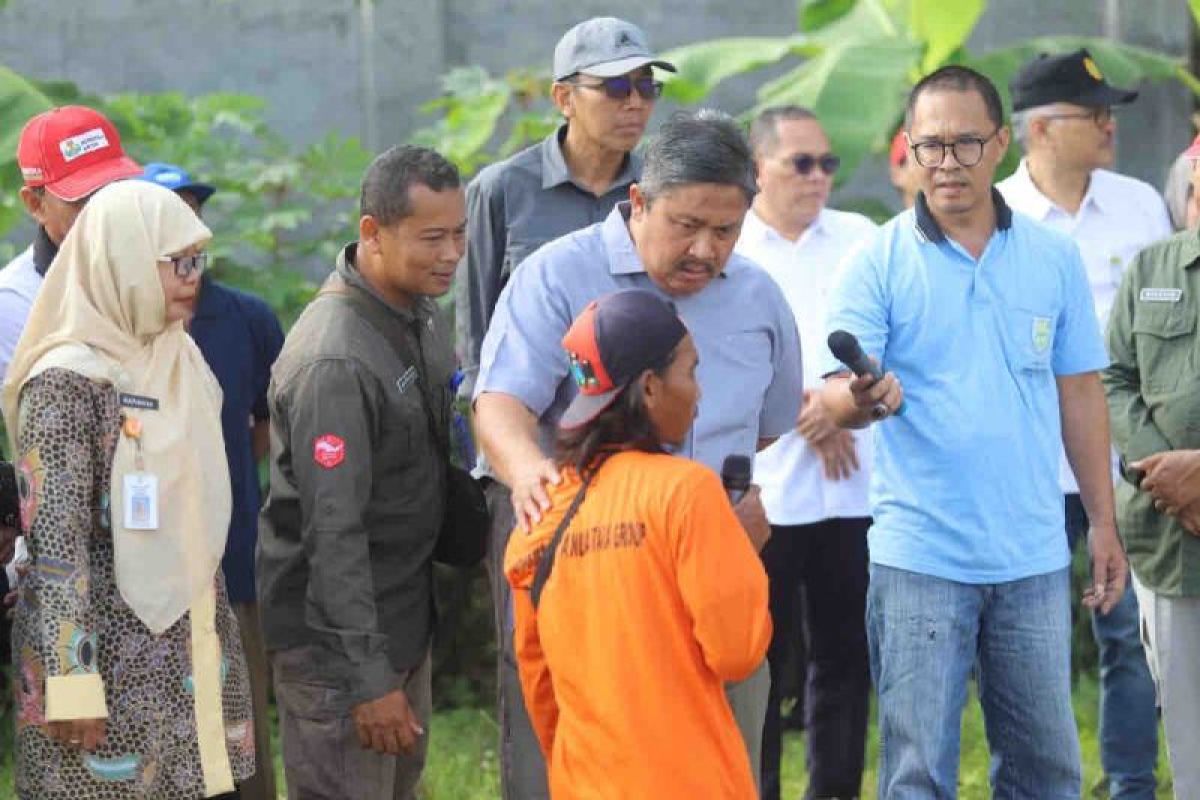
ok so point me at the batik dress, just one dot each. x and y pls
(71, 620)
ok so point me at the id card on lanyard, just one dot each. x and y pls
(140, 490)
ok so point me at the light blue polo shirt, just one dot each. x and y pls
(966, 480)
(749, 372)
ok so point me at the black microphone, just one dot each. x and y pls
(736, 473)
(846, 349)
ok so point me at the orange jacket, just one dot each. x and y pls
(657, 598)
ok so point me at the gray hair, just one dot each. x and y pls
(704, 146)
(1020, 122)
(764, 131)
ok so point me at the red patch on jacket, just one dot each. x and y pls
(329, 450)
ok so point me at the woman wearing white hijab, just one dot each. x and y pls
(131, 678)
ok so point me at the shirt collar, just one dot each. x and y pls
(44, 251)
(623, 258)
(556, 172)
(348, 270)
(928, 228)
(1039, 205)
(1191, 250)
(755, 226)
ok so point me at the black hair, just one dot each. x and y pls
(958, 79)
(764, 131)
(386, 184)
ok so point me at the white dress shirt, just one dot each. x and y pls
(794, 488)
(19, 284)
(1118, 217)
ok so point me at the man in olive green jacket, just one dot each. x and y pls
(359, 402)
(1153, 389)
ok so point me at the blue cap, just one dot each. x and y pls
(177, 179)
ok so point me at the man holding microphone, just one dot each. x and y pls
(987, 320)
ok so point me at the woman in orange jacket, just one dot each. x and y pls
(638, 594)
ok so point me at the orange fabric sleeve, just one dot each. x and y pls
(721, 579)
(536, 683)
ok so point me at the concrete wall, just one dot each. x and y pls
(320, 70)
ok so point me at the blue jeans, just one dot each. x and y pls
(1128, 717)
(926, 634)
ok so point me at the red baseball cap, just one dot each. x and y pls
(613, 341)
(72, 151)
(899, 151)
(1193, 150)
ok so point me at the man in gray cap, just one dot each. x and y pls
(1062, 117)
(604, 87)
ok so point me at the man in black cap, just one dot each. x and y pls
(605, 89)
(1062, 116)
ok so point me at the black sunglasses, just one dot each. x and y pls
(620, 87)
(186, 265)
(805, 163)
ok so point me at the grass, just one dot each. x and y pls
(462, 761)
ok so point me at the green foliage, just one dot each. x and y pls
(851, 61)
(278, 207)
(472, 107)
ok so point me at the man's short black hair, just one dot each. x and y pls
(385, 187)
(764, 130)
(957, 79)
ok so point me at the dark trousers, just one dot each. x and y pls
(828, 561)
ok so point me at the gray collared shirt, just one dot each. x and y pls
(513, 208)
(750, 371)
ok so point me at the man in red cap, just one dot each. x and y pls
(66, 154)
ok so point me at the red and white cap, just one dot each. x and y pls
(72, 151)
(1193, 150)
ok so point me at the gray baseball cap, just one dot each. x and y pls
(604, 47)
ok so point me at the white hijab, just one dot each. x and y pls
(101, 313)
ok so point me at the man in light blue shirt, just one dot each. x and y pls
(674, 237)
(986, 320)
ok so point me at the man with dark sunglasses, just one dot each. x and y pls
(814, 478)
(1062, 117)
(604, 87)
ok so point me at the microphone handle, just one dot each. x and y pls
(864, 366)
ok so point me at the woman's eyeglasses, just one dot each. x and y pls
(620, 87)
(186, 265)
(806, 162)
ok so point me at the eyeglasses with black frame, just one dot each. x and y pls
(807, 162)
(186, 265)
(620, 87)
(968, 150)
(1100, 115)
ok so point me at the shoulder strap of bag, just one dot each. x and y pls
(546, 563)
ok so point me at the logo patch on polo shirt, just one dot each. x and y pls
(1151, 295)
(1042, 331)
(83, 144)
(329, 450)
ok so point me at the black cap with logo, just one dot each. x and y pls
(1066, 78)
